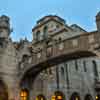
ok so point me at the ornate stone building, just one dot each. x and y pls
(62, 62)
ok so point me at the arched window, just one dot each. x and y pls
(67, 74)
(38, 35)
(40, 97)
(84, 65)
(75, 96)
(62, 72)
(25, 58)
(95, 69)
(59, 38)
(45, 29)
(76, 65)
(57, 26)
(58, 96)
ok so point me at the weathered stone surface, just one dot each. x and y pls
(60, 58)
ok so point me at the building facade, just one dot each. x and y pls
(62, 62)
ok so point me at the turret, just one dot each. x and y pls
(98, 21)
(4, 27)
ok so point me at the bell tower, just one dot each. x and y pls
(4, 27)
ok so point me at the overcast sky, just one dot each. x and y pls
(25, 13)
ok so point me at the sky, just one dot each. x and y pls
(24, 14)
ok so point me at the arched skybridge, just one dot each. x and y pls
(85, 45)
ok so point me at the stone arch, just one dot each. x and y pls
(55, 60)
(34, 70)
(88, 97)
(40, 97)
(59, 95)
(3, 91)
(75, 96)
(24, 94)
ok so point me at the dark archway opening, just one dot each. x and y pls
(88, 97)
(58, 95)
(75, 96)
(3, 91)
(40, 97)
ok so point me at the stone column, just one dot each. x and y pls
(14, 93)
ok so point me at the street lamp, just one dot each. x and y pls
(96, 97)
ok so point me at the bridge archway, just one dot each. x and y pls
(49, 62)
(30, 74)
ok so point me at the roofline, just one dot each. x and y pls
(79, 27)
(52, 16)
(51, 19)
